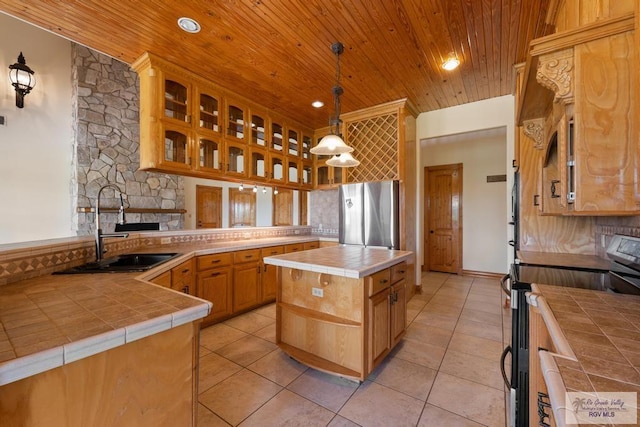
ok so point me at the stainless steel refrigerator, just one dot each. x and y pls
(369, 214)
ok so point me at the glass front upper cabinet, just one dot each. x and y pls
(176, 100)
(235, 121)
(209, 112)
(210, 155)
(307, 177)
(292, 143)
(258, 129)
(235, 158)
(277, 140)
(175, 148)
(292, 176)
(277, 168)
(258, 168)
(306, 147)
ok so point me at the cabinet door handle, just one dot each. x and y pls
(215, 261)
(383, 281)
(217, 273)
(536, 201)
(185, 289)
(553, 189)
(248, 256)
(543, 404)
(186, 270)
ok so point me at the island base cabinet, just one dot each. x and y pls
(341, 325)
(332, 344)
(149, 382)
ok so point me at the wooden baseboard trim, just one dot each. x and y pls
(482, 274)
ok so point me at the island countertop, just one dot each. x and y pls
(346, 261)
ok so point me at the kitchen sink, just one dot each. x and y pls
(125, 263)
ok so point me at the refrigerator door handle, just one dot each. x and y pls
(506, 351)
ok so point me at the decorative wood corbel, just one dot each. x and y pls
(555, 72)
(534, 130)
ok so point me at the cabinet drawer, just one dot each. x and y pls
(311, 245)
(379, 281)
(246, 256)
(272, 250)
(398, 272)
(214, 260)
(295, 247)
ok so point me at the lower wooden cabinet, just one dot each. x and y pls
(379, 327)
(183, 278)
(234, 282)
(216, 285)
(180, 278)
(269, 275)
(387, 310)
(350, 327)
(246, 285)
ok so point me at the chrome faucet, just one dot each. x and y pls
(99, 234)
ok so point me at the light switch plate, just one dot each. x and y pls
(3, 121)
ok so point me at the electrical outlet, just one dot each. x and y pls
(317, 292)
(3, 121)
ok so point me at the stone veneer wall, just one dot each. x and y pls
(323, 216)
(106, 120)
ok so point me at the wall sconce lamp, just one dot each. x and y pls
(22, 79)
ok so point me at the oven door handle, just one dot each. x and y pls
(506, 351)
(503, 285)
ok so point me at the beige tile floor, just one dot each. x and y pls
(445, 372)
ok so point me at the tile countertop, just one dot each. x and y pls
(603, 331)
(347, 261)
(51, 320)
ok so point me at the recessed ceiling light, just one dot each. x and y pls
(189, 25)
(451, 63)
(317, 104)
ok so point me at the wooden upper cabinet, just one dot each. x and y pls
(236, 159)
(258, 164)
(577, 105)
(236, 115)
(259, 129)
(293, 142)
(177, 98)
(277, 138)
(208, 113)
(305, 148)
(210, 155)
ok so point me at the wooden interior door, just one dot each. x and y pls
(242, 208)
(208, 207)
(443, 218)
(283, 207)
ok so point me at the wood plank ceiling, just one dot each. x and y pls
(278, 52)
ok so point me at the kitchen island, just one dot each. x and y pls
(341, 309)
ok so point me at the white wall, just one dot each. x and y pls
(469, 118)
(481, 153)
(36, 143)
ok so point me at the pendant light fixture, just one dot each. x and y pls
(334, 144)
(344, 160)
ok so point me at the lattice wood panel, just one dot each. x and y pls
(375, 144)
